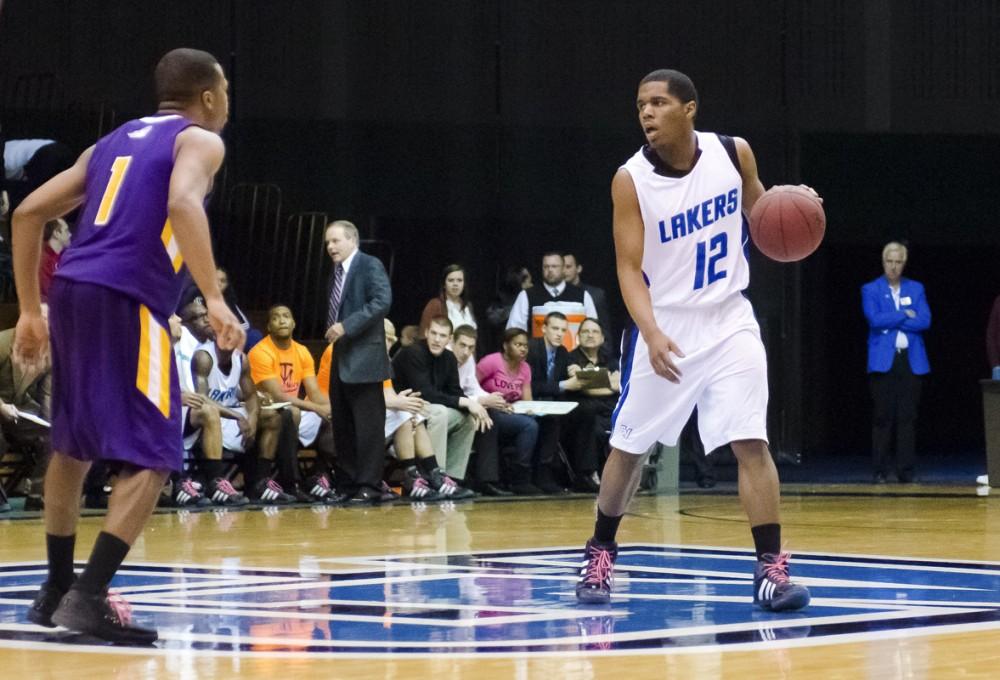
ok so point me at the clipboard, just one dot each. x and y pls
(594, 378)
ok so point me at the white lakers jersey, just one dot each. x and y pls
(695, 232)
(223, 388)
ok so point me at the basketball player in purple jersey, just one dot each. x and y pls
(141, 192)
(680, 233)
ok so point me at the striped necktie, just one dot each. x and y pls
(336, 292)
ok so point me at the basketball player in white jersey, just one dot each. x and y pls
(223, 377)
(680, 235)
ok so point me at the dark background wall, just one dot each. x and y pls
(487, 132)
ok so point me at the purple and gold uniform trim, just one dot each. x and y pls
(170, 243)
(153, 373)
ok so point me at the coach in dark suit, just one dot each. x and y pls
(359, 299)
(897, 314)
(550, 381)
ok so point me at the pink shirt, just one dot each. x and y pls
(494, 376)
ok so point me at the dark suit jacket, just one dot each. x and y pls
(541, 387)
(360, 354)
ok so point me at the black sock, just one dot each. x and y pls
(766, 539)
(606, 527)
(109, 553)
(60, 551)
(212, 469)
(428, 464)
(262, 469)
(411, 468)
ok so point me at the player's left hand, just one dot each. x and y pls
(247, 430)
(31, 343)
(229, 334)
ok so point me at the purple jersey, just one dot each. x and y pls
(123, 239)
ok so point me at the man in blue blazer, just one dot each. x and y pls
(359, 299)
(898, 314)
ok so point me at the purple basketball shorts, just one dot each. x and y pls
(115, 393)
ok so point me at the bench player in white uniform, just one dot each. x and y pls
(680, 234)
(223, 377)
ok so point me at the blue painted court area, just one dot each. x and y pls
(666, 598)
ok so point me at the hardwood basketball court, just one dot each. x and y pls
(483, 589)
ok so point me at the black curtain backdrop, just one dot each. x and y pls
(487, 133)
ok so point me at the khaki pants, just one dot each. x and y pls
(451, 431)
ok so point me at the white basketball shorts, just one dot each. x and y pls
(309, 425)
(396, 419)
(724, 374)
(232, 440)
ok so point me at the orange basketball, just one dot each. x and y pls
(787, 223)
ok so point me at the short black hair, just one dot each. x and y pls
(183, 74)
(512, 333)
(678, 84)
(465, 331)
(278, 305)
(189, 294)
(554, 315)
(51, 227)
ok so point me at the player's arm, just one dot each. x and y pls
(55, 198)
(272, 388)
(202, 363)
(629, 233)
(198, 155)
(250, 401)
(319, 402)
(753, 188)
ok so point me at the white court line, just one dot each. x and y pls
(377, 619)
(576, 611)
(739, 576)
(714, 650)
(455, 646)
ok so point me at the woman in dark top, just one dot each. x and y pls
(491, 332)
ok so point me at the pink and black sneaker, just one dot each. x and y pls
(222, 492)
(594, 586)
(269, 492)
(772, 589)
(187, 494)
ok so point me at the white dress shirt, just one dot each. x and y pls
(902, 342)
(468, 380)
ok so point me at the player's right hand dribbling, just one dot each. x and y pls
(660, 348)
(228, 332)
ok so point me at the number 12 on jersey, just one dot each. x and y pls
(715, 250)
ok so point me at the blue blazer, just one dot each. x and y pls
(884, 320)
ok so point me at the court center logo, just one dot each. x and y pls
(667, 599)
